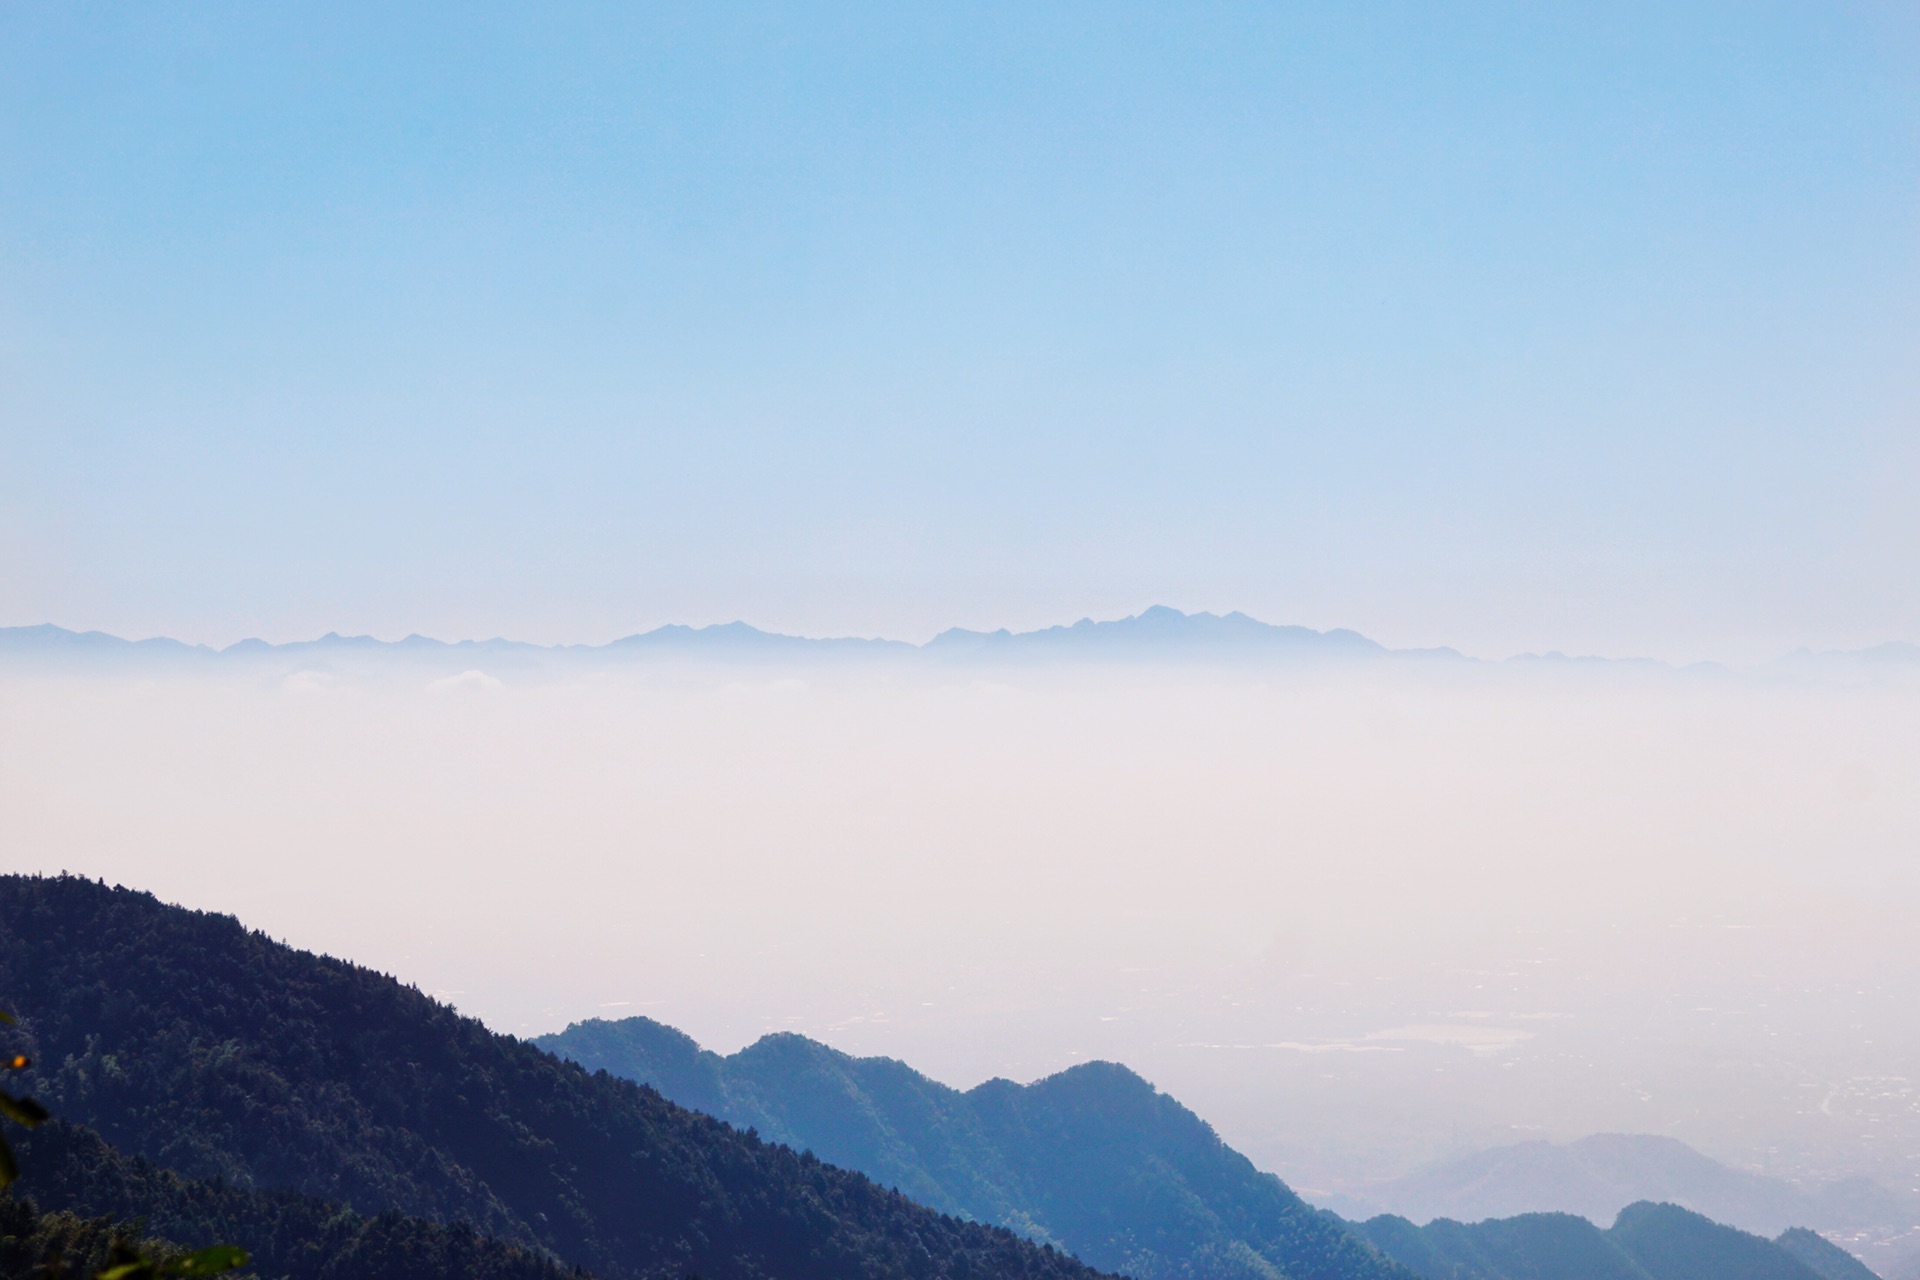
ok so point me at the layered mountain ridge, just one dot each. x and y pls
(1097, 1160)
(221, 1086)
(186, 1041)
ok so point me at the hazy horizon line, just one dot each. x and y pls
(1160, 625)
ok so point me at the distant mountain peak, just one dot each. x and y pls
(1159, 629)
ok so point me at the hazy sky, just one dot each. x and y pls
(1504, 326)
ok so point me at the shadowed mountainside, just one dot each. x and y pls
(189, 1042)
(68, 1172)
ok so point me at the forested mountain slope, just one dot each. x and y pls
(186, 1040)
(69, 1171)
(1093, 1159)
(1646, 1242)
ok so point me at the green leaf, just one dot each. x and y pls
(209, 1262)
(8, 1169)
(23, 1111)
(126, 1271)
(7, 1018)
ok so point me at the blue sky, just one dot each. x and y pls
(1505, 326)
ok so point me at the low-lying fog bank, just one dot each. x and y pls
(1358, 915)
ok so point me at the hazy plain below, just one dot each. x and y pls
(1359, 914)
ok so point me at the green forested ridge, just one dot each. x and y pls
(1093, 1159)
(1646, 1242)
(203, 1048)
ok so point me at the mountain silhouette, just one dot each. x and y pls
(1158, 632)
(183, 1040)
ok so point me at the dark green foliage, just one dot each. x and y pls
(214, 1260)
(1093, 1159)
(21, 1111)
(287, 1234)
(35, 1244)
(184, 1039)
(1646, 1242)
(1825, 1258)
(124, 1260)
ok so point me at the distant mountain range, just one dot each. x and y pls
(1646, 1242)
(1597, 1177)
(1158, 633)
(1097, 1161)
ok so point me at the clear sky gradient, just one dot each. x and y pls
(1505, 326)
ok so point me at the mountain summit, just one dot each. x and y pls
(1158, 631)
